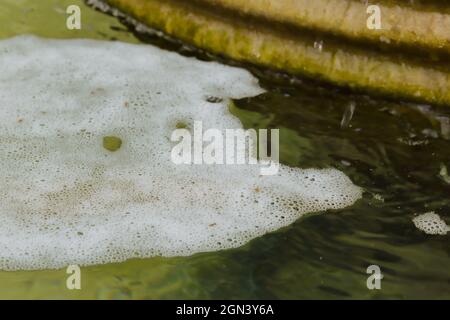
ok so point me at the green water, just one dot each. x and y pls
(392, 149)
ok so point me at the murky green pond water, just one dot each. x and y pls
(392, 149)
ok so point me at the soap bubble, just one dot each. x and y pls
(65, 199)
(431, 223)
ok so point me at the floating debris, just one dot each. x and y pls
(213, 99)
(181, 125)
(112, 143)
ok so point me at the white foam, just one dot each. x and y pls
(67, 200)
(431, 223)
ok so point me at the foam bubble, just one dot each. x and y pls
(65, 199)
(431, 223)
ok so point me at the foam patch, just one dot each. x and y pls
(431, 223)
(66, 199)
